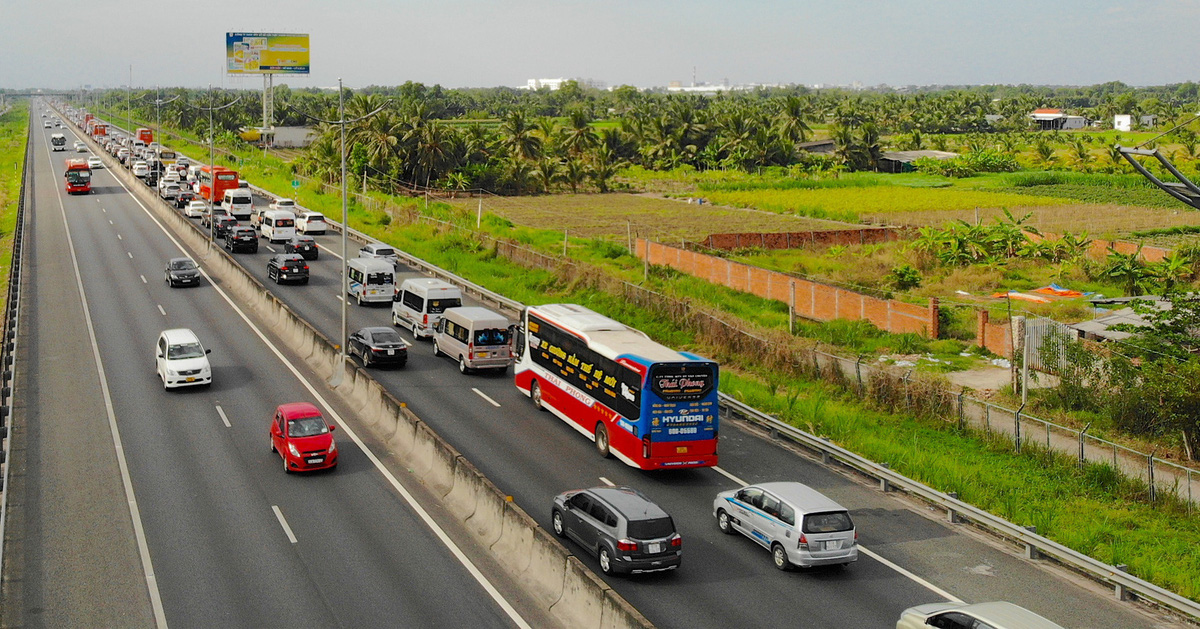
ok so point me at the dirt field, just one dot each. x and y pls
(1098, 220)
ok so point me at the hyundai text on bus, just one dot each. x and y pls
(650, 406)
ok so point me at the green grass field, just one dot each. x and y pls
(14, 130)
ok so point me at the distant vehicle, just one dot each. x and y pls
(195, 209)
(181, 360)
(169, 191)
(241, 238)
(80, 147)
(238, 203)
(379, 252)
(58, 142)
(477, 338)
(216, 211)
(278, 225)
(145, 135)
(378, 346)
(649, 405)
(420, 302)
(621, 527)
(211, 190)
(78, 176)
(283, 204)
(47, 124)
(95, 163)
(287, 267)
(140, 169)
(305, 246)
(300, 435)
(182, 272)
(999, 615)
(310, 223)
(223, 225)
(370, 281)
(184, 198)
(799, 525)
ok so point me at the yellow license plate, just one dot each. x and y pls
(681, 450)
(191, 379)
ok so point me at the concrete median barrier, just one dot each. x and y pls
(559, 582)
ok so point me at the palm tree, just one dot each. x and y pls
(520, 174)
(579, 136)
(604, 166)
(791, 120)
(574, 173)
(548, 173)
(518, 137)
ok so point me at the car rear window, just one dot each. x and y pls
(384, 251)
(651, 529)
(832, 522)
(438, 306)
(379, 278)
(491, 337)
(386, 336)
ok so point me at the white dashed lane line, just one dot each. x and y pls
(484, 396)
(160, 309)
(130, 254)
(221, 412)
(282, 522)
(607, 482)
(143, 279)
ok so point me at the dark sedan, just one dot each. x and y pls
(287, 267)
(223, 225)
(182, 272)
(378, 346)
(185, 197)
(305, 246)
(241, 238)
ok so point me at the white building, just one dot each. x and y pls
(537, 84)
(1122, 122)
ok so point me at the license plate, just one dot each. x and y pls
(483, 354)
(391, 352)
(314, 461)
(191, 379)
(681, 450)
(654, 548)
(833, 544)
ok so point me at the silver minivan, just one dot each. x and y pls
(800, 526)
(998, 615)
(477, 337)
(420, 302)
(370, 281)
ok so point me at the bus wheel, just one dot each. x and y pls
(602, 440)
(535, 392)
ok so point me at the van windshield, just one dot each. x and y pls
(651, 529)
(379, 278)
(491, 337)
(827, 522)
(184, 351)
(438, 306)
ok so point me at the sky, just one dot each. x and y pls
(645, 43)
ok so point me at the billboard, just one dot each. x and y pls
(266, 53)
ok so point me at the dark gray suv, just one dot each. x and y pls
(621, 527)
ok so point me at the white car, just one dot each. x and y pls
(195, 209)
(169, 191)
(310, 223)
(95, 163)
(999, 615)
(140, 169)
(283, 204)
(180, 359)
(47, 124)
(80, 147)
(379, 251)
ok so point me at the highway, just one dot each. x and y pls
(206, 490)
(229, 538)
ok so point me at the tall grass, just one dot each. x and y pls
(14, 130)
(1048, 178)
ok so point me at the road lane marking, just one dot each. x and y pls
(340, 298)
(864, 550)
(221, 412)
(119, 237)
(135, 514)
(130, 254)
(143, 279)
(607, 482)
(160, 309)
(282, 522)
(110, 222)
(408, 498)
(270, 248)
(484, 396)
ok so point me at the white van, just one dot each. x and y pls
(310, 223)
(477, 337)
(370, 280)
(277, 225)
(239, 203)
(420, 302)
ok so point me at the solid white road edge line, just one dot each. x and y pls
(221, 412)
(484, 396)
(160, 617)
(283, 522)
(873, 555)
(483, 581)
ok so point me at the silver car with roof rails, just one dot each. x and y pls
(799, 525)
(620, 527)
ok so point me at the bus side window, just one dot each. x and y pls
(519, 335)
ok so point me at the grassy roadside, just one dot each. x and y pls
(14, 130)
(1093, 510)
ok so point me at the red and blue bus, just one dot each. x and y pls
(78, 176)
(648, 405)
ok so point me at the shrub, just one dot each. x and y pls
(905, 277)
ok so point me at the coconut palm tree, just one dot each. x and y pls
(548, 172)
(578, 136)
(604, 166)
(519, 138)
(574, 173)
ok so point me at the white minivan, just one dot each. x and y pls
(239, 204)
(369, 280)
(420, 302)
(278, 225)
(477, 337)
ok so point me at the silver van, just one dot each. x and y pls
(239, 203)
(369, 281)
(998, 615)
(277, 225)
(420, 302)
(799, 525)
(477, 337)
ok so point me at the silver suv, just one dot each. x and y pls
(621, 527)
(799, 525)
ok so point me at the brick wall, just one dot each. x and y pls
(795, 240)
(813, 300)
(1099, 248)
(993, 336)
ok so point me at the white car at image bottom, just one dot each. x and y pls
(180, 359)
(999, 615)
(799, 525)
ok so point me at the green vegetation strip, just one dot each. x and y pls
(14, 130)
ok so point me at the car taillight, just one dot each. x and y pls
(646, 447)
(306, 267)
(626, 545)
(471, 351)
(424, 319)
(803, 545)
(677, 542)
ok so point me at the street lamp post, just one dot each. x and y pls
(342, 122)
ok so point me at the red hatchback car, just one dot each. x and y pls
(300, 435)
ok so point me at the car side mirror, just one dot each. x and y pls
(275, 430)
(396, 298)
(332, 427)
(208, 351)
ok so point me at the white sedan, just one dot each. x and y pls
(195, 209)
(95, 163)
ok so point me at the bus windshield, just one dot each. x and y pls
(79, 176)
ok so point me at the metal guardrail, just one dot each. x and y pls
(8, 350)
(1036, 545)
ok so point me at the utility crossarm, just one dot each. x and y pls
(1184, 189)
